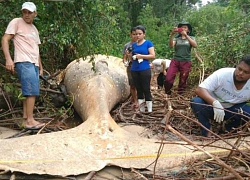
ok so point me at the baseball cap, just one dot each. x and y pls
(29, 6)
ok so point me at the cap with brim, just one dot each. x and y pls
(186, 23)
(29, 6)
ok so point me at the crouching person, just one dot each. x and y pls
(160, 67)
(223, 96)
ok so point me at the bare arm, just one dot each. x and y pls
(124, 59)
(204, 94)
(217, 107)
(40, 66)
(164, 67)
(172, 42)
(191, 41)
(5, 45)
(127, 56)
(150, 56)
(171, 38)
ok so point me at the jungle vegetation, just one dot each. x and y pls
(71, 29)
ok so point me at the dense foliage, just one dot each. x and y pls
(72, 29)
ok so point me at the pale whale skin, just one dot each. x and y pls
(96, 91)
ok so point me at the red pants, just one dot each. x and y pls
(184, 67)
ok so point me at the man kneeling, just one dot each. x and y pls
(223, 96)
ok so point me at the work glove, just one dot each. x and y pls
(134, 58)
(219, 113)
(140, 60)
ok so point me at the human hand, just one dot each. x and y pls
(41, 72)
(10, 65)
(126, 63)
(184, 33)
(219, 113)
(130, 49)
(128, 53)
(174, 30)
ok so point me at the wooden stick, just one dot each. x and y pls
(207, 153)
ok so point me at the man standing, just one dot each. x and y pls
(127, 49)
(223, 96)
(27, 60)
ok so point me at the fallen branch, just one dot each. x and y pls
(141, 176)
(90, 175)
(207, 153)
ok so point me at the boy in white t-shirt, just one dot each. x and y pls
(159, 70)
(223, 95)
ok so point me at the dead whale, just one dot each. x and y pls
(98, 141)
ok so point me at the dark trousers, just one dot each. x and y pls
(142, 83)
(184, 67)
(160, 79)
(205, 113)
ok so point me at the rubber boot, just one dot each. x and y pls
(142, 107)
(149, 105)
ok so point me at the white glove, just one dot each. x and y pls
(219, 113)
(134, 57)
(140, 60)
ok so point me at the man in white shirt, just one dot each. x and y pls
(159, 69)
(223, 96)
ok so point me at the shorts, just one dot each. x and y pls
(28, 75)
(130, 79)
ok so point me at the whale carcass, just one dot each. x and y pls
(98, 141)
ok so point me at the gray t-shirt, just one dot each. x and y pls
(182, 49)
